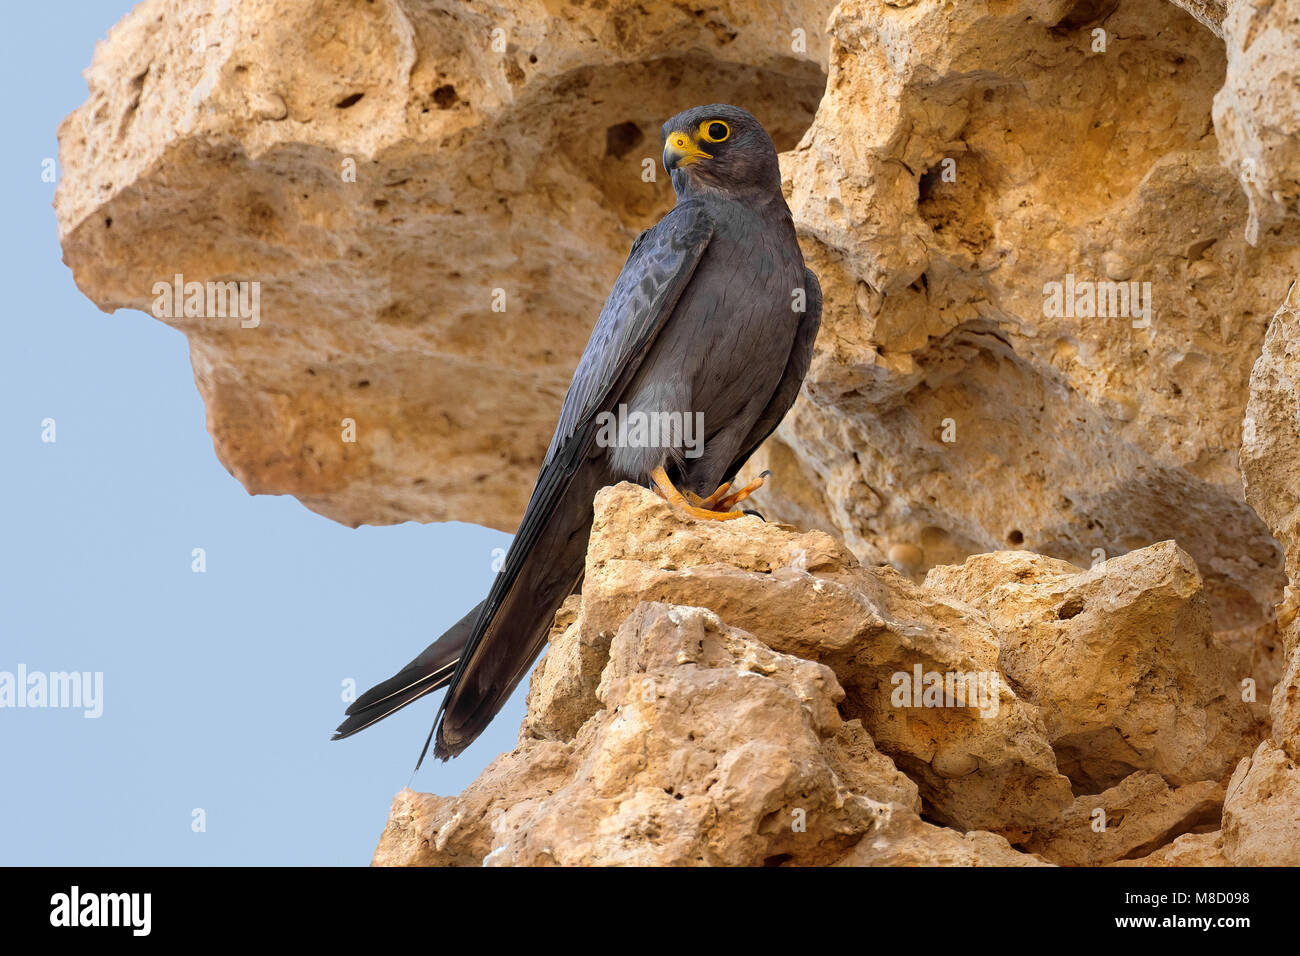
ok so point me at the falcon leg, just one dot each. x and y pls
(675, 498)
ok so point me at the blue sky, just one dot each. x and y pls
(220, 689)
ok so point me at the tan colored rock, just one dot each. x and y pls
(1255, 655)
(945, 413)
(1286, 706)
(1208, 12)
(1270, 449)
(390, 172)
(563, 687)
(1140, 813)
(901, 838)
(1257, 112)
(427, 830)
(803, 594)
(1068, 461)
(1261, 814)
(1120, 659)
(1190, 849)
(660, 732)
(408, 839)
(710, 748)
(995, 152)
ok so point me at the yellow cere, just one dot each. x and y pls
(686, 148)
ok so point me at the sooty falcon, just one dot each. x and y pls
(713, 315)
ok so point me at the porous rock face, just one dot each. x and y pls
(1097, 651)
(946, 413)
(775, 724)
(1262, 815)
(393, 171)
(435, 196)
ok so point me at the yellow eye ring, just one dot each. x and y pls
(709, 131)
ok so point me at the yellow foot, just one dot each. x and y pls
(723, 501)
(675, 498)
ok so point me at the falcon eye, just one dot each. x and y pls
(715, 131)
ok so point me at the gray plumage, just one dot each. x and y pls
(714, 312)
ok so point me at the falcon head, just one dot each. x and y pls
(720, 147)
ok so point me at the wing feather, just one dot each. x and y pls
(796, 369)
(659, 266)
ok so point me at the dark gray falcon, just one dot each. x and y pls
(714, 313)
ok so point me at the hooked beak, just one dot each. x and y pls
(681, 150)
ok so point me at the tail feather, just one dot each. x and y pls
(543, 566)
(429, 671)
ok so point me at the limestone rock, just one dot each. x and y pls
(1190, 849)
(710, 748)
(563, 686)
(1270, 448)
(960, 158)
(1120, 659)
(408, 838)
(1140, 813)
(997, 150)
(1257, 112)
(1261, 815)
(986, 767)
(901, 838)
(1208, 12)
(1286, 706)
(427, 830)
(727, 693)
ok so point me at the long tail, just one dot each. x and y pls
(542, 568)
(487, 652)
(429, 671)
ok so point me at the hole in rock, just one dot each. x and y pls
(1083, 14)
(445, 97)
(1071, 608)
(622, 138)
